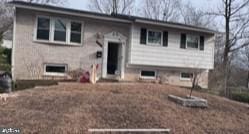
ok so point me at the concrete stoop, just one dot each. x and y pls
(192, 101)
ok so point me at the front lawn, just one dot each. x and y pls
(74, 108)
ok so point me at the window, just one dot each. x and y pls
(154, 38)
(43, 26)
(60, 30)
(75, 36)
(186, 76)
(193, 42)
(148, 74)
(63, 31)
(55, 69)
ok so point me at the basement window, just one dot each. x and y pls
(145, 74)
(55, 69)
(186, 76)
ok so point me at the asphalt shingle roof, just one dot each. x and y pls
(117, 16)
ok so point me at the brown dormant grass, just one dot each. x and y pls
(74, 108)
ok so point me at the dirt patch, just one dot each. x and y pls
(74, 108)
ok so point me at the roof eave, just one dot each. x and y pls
(109, 18)
(99, 16)
(176, 26)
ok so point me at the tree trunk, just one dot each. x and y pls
(227, 45)
(193, 85)
(247, 84)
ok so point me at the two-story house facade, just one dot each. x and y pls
(49, 42)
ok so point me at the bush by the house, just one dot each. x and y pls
(242, 97)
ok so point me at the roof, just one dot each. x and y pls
(116, 17)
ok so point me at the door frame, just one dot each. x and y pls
(114, 37)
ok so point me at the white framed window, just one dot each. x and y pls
(58, 30)
(76, 32)
(55, 69)
(148, 74)
(154, 37)
(186, 76)
(43, 28)
(193, 42)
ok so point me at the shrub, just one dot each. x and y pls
(76, 74)
(241, 97)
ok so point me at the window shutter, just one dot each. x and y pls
(183, 41)
(143, 36)
(165, 38)
(202, 39)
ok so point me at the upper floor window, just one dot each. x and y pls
(60, 30)
(57, 30)
(43, 28)
(75, 32)
(193, 41)
(154, 37)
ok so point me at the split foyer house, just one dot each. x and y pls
(49, 42)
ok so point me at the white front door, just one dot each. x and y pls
(114, 55)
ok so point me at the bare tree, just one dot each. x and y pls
(195, 79)
(53, 2)
(6, 13)
(166, 10)
(235, 13)
(196, 17)
(109, 6)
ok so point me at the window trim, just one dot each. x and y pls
(52, 29)
(187, 36)
(154, 44)
(148, 77)
(36, 28)
(82, 28)
(55, 73)
(185, 79)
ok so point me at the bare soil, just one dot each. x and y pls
(74, 108)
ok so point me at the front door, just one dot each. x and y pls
(112, 58)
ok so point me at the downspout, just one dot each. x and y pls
(13, 47)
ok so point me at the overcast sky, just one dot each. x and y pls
(202, 4)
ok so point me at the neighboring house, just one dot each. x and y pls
(50, 41)
(7, 39)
